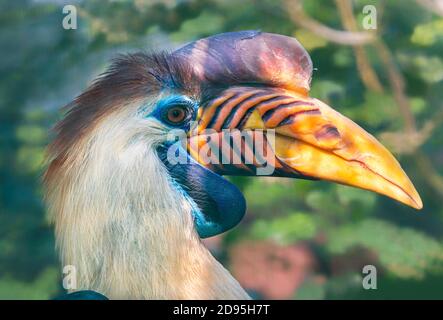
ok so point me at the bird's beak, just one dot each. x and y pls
(287, 133)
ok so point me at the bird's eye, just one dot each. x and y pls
(177, 114)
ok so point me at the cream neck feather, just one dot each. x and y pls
(123, 226)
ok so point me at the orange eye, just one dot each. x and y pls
(177, 114)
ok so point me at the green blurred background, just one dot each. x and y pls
(300, 239)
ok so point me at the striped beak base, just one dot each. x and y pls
(279, 132)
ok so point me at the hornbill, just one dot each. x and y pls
(129, 217)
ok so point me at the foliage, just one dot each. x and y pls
(294, 227)
(403, 252)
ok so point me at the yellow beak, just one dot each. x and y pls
(303, 138)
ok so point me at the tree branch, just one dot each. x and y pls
(397, 84)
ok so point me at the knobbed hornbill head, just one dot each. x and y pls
(250, 81)
(121, 136)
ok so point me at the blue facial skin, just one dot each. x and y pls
(217, 204)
